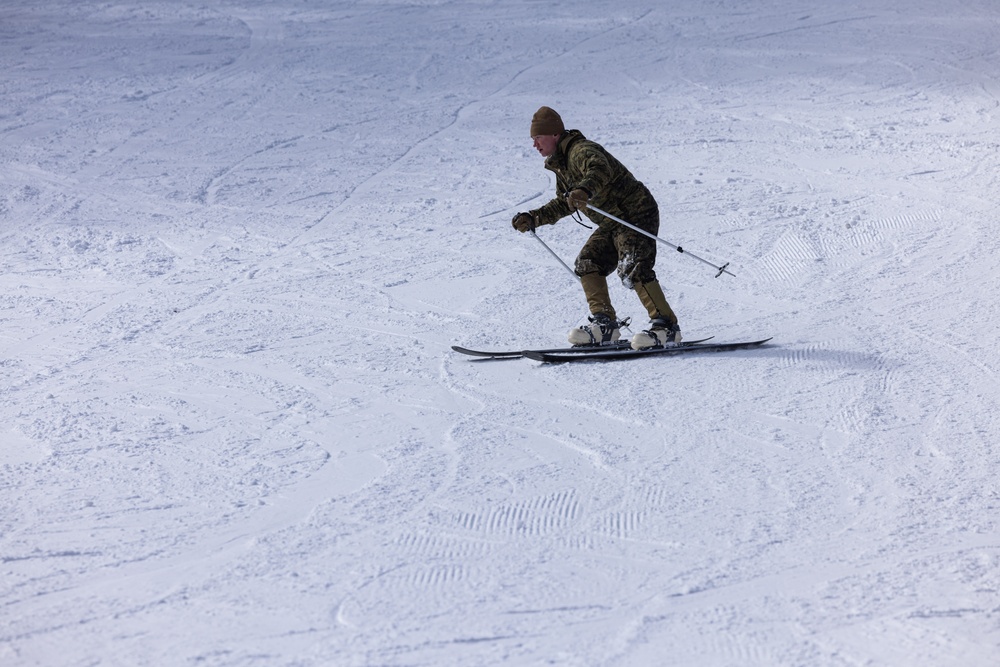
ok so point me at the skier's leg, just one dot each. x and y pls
(596, 260)
(663, 329)
(637, 257)
(595, 288)
(652, 297)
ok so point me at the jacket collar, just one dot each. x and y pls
(558, 159)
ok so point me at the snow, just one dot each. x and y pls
(240, 237)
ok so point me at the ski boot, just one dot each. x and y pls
(602, 330)
(659, 334)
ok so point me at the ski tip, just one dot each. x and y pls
(486, 354)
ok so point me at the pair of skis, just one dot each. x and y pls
(619, 350)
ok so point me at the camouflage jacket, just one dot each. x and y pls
(579, 163)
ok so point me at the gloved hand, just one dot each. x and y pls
(523, 222)
(577, 199)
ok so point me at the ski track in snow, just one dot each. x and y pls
(239, 239)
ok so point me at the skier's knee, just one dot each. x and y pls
(587, 266)
(639, 273)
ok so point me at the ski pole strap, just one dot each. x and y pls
(721, 269)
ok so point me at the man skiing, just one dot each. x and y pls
(587, 174)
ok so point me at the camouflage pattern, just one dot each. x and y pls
(580, 163)
(617, 247)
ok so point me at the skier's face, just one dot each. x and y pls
(546, 144)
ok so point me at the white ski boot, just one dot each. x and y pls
(602, 330)
(659, 334)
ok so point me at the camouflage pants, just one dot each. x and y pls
(615, 247)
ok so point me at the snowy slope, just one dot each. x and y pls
(239, 238)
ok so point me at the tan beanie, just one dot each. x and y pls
(546, 121)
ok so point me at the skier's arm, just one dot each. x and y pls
(597, 176)
(597, 172)
(556, 209)
(550, 213)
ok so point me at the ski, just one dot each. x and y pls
(618, 346)
(616, 355)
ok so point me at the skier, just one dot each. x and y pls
(586, 174)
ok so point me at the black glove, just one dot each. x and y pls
(523, 222)
(577, 199)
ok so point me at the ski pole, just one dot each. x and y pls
(721, 269)
(552, 252)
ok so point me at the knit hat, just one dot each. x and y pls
(546, 121)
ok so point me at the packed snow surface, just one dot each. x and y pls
(239, 239)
